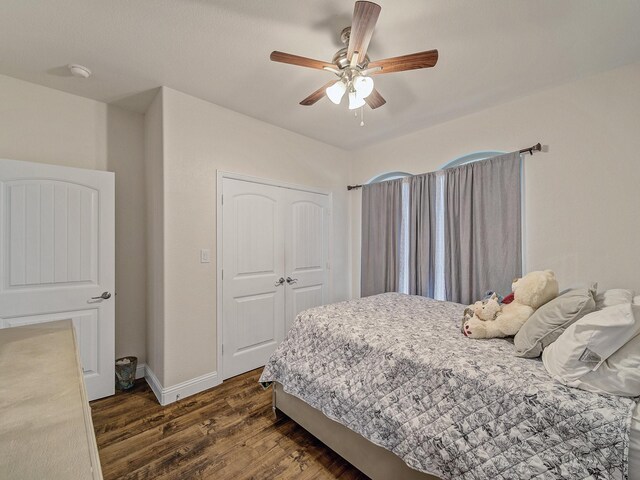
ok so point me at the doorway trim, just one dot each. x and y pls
(221, 175)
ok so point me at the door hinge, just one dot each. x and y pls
(222, 348)
(222, 274)
(222, 199)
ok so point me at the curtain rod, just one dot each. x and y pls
(535, 148)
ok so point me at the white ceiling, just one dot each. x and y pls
(490, 52)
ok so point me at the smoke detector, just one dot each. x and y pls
(79, 71)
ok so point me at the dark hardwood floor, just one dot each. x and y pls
(227, 432)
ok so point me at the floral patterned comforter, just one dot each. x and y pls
(396, 369)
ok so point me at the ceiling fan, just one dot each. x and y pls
(352, 65)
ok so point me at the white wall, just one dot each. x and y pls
(581, 197)
(154, 184)
(200, 138)
(39, 124)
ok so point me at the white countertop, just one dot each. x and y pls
(45, 418)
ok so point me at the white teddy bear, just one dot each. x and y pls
(530, 292)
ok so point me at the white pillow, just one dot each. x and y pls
(600, 352)
(614, 296)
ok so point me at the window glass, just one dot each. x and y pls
(471, 157)
(389, 176)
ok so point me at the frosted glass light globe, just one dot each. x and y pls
(336, 91)
(355, 101)
(363, 86)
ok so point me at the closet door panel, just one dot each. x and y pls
(306, 252)
(253, 262)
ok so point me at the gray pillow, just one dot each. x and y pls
(551, 319)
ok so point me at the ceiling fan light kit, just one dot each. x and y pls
(358, 86)
(353, 66)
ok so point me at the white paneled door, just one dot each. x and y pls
(253, 267)
(275, 253)
(307, 252)
(57, 258)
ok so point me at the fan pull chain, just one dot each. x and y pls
(362, 116)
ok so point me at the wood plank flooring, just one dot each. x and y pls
(227, 432)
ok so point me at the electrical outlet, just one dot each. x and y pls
(205, 255)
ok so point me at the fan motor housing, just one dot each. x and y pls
(340, 57)
(341, 61)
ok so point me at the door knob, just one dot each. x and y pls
(291, 281)
(104, 296)
(279, 282)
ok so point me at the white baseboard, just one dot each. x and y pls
(140, 369)
(154, 383)
(182, 390)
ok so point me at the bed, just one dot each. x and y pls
(391, 377)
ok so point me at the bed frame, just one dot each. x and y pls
(376, 462)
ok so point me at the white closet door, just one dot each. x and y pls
(57, 257)
(253, 264)
(307, 252)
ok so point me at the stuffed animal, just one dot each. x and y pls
(469, 312)
(492, 294)
(489, 310)
(529, 292)
(482, 310)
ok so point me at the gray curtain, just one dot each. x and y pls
(483, 244)
(422, 234)
(381, 224)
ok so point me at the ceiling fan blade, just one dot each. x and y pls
(317, 95)
(412, 61)
(365, 16)
(375, 100)
(300, 61)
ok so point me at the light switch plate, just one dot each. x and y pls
(205, 255)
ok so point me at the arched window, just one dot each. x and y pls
(439, 289)
(471, 157)
(389, 176)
